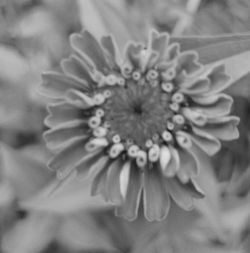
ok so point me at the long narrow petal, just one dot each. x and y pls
(62, 112)
(197, 86)
(55, 137)
(75, 67)
(156, 199)
(219, 80)
(113, 182)
(188, 164)
(67, 159)
(179, 194)
(223, 128)
(213, 106)
(88, 47)
(55, 85)
(100, 180)
(88, 163)
(129, 208)
(208, 143)
(79, 99)
(108, 43)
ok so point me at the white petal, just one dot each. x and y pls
(165, 157)
(124, 178)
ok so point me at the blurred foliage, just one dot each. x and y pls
(33, 38)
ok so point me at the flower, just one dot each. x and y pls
(139, 121)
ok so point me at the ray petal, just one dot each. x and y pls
(88, 47)
(55, 85)
(129, 208)
(223, 128)
(156, 199)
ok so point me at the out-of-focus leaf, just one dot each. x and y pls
(25, 175)
(31, 235)
(71, 196)
(13, 65)
(215, 48)
(7, 194)
(210, 205)
(191, 246)
(238, 66)
(106, 17)
(236, 213)
(81, 232)
(153, 243)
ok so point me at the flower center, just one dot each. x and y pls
(137, 112)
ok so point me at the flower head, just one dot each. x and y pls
(139, 120)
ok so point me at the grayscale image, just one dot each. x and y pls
(124, 126)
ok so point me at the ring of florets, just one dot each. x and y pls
(169, 130)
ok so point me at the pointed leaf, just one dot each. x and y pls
(31, 235)
(26, 175)
(105, 17)
(215, 48)
(82, 232)
(65, 197)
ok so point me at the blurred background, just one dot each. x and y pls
(34, 38)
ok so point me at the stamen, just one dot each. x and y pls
(141, 159)
(170, 126)
(154, 153)
(152, 75)
(99, 99)
(116, 150)
(96, 143)
(149, 143)
(179, 119)
(167, 136)
(154, 83)
(116, 138)
(94, 122)
(100, 132)
(107, 93)
(178, 97)
(183, 140)
(99, 112)
(133, 151)
(136, 75)
(165, 157)
(126, 70)
(129, 142)
(106, 124)
(174, 107)
(121, 81)
(156, 137)
(167, 87)
(111, 80)
(169, 74)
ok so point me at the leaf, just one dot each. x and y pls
(215, 48)
(82, 232)
(13, 65)
(6, 194)
(209, 207)
(107, 17)
(236, 213)
(65, 197)
(25, 175)
(238, 67)
(31, 235)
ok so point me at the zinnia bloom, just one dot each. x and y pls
(139, 121)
